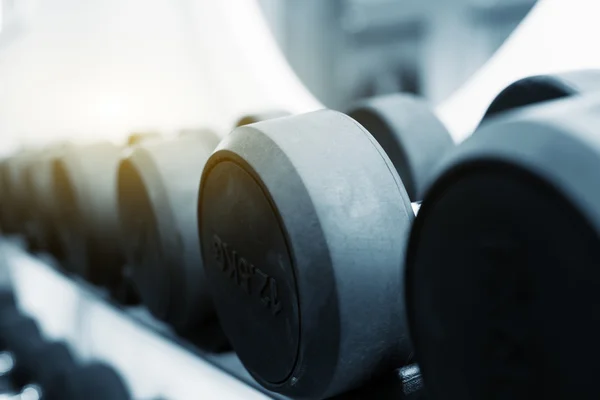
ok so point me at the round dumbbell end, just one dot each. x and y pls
(495, 288)
(140, 230)
(241, 249)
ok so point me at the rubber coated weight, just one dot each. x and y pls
(263, 116)
(409, 132)
(158, 196)
(502, 277)
(540, 88)
(85, 181)
(302, 221)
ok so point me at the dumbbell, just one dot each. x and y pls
(501, 287)
(94, 381)
(43, 230)
(295, 233)
(16, 199)
(157, 197)
(84, 181)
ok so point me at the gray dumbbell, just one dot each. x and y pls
(41, 228)
(409, 131)
(157, 194)
(16, 199)
(502, 259)
(297, 218)
(85, 186)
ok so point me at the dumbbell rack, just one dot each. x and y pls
(154, 362)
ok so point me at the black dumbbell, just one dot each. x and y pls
(95, 381)
(410, 133)
(158, 193)
(84, 181)
(501, 265)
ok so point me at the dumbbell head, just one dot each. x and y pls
(541, 88)
(85, 184)
(262, 116)
(91, 382)
(17, 199)
(42, 228)
(409, 132)
(502, 277)
(302, 221)
(158, 197)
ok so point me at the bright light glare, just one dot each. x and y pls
(103, 68)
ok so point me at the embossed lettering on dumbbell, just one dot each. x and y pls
(241, 272)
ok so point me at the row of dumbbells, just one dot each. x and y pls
(32, 367)
(297, 237)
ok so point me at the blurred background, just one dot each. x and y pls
(344, 50)
(101, 68)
